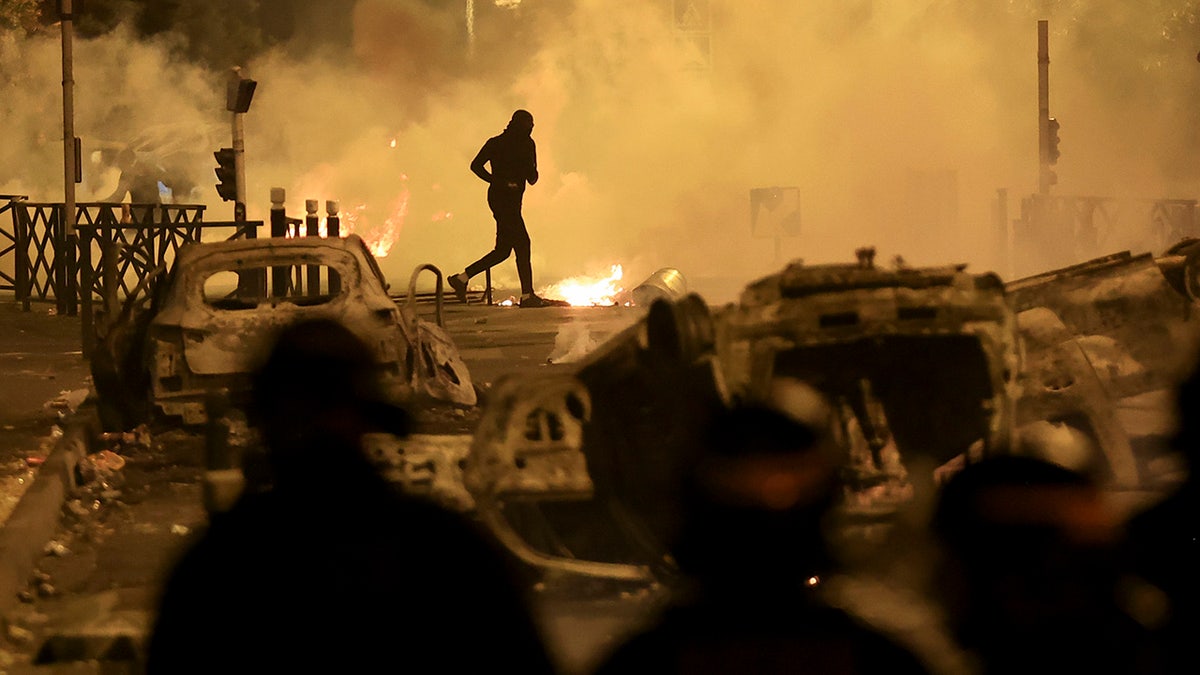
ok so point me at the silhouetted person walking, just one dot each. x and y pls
(754, 556)
(331, 569)
(1030, 575)
(513, 159)
(1163, 543)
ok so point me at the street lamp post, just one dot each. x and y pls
(64, 257)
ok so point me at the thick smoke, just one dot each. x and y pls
(897, 121)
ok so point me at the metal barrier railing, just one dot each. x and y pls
(1055, 230)
(9, 267)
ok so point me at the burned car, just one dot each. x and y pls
(1106, 342)
(215, 312)
(919, 366)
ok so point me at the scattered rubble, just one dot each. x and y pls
(103, 469)
(56, 548)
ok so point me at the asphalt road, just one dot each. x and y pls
(93, 592)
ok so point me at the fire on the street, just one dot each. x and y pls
(378, 239)
(588, 291)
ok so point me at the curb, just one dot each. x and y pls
(37, 515)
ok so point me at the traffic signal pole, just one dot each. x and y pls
(239, 169)
(239, 143)
(1046, 176)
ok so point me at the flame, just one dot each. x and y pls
(442, 215)
(392, 143)
(378, 239)
(588, 291)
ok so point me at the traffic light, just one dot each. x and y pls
(1052, 152)
(226, 174)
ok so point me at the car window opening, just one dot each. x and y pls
(251, 287)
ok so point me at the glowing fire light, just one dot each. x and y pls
(392, 143)
(378, 239)
(588, 291)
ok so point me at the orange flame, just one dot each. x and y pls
(588, 291)
(378, 239)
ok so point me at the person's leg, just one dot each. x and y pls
(490, 259)
(506, 205)
(520, 244)
(497, 255)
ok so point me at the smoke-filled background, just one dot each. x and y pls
(896, 120)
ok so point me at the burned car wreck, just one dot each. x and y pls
(1106, 341)
(920, 367)
(202, 327)
(922, 370)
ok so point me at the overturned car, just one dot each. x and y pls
(920, 366)
(1106, 342)
(213, 314)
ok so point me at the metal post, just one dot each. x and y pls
(487, 285)
(312, 224)
(333, 228)
(21, 262)
(1045, 175)
(65, 254)
(86, 279)
(279, 228)
(1000, 223)
(239, 155)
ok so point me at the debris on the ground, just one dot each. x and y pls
(139, 437)
(181, 530)
(102, 468)
(56, 548)
(19, 635)
(68, 401)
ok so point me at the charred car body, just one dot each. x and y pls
(920, 364)
(212, 316)
(1107, 341)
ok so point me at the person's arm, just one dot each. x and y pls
(533, 174)
(122, 189)
(477, 164)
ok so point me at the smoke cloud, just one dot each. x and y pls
(897, 121)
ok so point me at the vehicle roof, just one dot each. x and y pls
(799, 281)
(351, 242)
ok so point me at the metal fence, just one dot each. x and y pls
(1054, 231)
(41, 261)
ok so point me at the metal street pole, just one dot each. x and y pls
(68, 85)
(239, 151)
(1046, 177)
(65, 292)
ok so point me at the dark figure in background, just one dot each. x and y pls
(330, 569)
(139, 179)
(513, 159)
(1030, 575)
(1163, 544)
(753, 551)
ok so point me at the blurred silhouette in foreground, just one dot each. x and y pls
(753, 550)
(1030, 578)
(1164, 545)
(331, 569)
